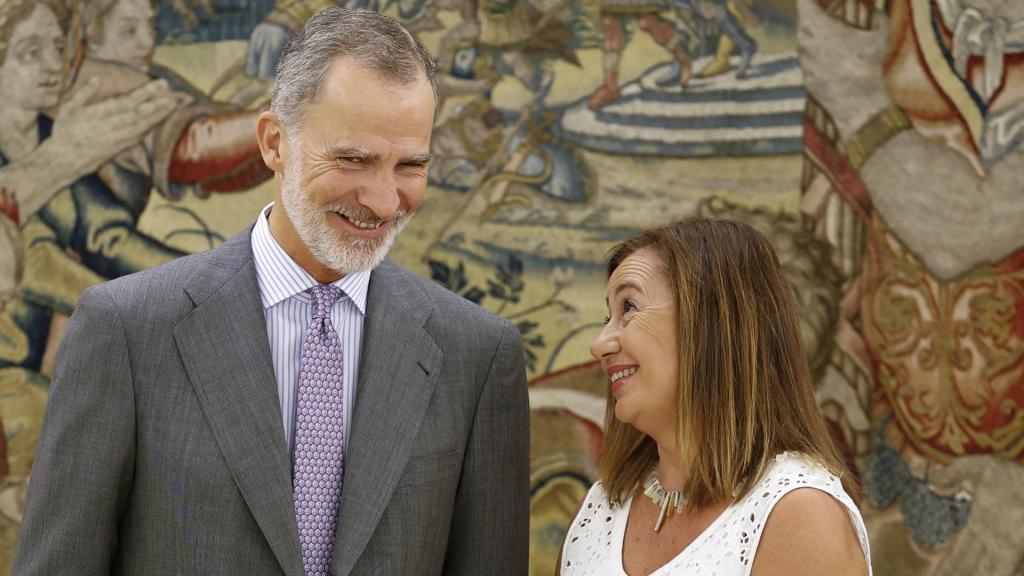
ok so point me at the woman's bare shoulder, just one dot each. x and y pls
(809, 532)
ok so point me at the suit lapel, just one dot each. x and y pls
(396, 380)
(223, 344)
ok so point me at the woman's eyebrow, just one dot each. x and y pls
(626, 286)
(620, 288)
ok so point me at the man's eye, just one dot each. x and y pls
(627, 306)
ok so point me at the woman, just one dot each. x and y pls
(716, 459)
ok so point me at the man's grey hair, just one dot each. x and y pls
(374, 41)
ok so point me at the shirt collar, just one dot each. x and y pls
(281, 278)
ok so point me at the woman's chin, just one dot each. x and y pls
(623, 413)
(653, 424)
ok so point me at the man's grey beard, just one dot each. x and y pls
(342, 254)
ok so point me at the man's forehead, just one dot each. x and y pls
(348, 67)
(344, 135)
(363, 98)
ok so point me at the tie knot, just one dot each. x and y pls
(324, 297)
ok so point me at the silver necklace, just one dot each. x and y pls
(668, 500)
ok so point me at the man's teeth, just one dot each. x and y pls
(364, 224)
(623, 373)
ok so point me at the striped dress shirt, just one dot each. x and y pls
(288, 309)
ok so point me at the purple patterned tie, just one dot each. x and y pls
(319, 436)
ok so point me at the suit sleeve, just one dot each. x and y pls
(491, 523)
(84, 460)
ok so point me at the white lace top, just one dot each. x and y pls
(593, 545)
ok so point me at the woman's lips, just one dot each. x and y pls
(620, 382)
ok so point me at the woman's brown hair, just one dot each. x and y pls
(745, 392)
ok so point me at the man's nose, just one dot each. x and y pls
(381, 195)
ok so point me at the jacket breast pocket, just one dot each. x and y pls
(432, 469)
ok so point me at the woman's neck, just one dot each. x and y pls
(673, 472)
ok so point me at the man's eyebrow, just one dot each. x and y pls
(417, 159)
(352, 152)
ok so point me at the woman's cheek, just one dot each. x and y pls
(644, 322)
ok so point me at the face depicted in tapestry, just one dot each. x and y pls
(121, 31)
(30, 73)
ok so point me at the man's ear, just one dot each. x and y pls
(271, 137)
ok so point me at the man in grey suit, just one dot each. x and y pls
(272, 406)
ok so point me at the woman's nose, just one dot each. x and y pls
(606, 342)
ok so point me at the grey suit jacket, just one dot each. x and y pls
(162, 450)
